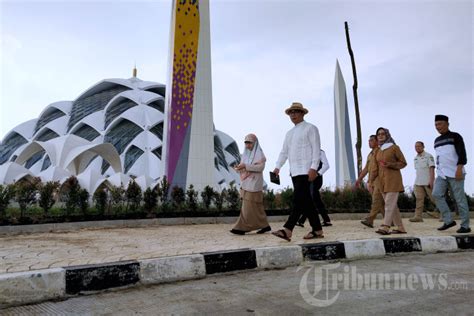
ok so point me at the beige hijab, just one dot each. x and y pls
(252, 157)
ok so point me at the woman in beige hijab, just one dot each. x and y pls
(252, 163)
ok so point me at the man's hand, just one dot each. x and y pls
(312, 174)
(459, 176)
(357, 183)
(431, 184)
(276, 171)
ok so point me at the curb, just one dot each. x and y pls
(60, 283)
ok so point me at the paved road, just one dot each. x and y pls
(289, 292)
(93, 246)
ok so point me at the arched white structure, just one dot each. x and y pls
(112, 132)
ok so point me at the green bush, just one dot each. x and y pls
(100, 200)
(47, 192)
(233, 198)
(6, 194)
(269, 200)
(150, 200)
(219, 199)
(286, 196)
(178, 197)
(207, 196)
(192, 198)
(117, 198)
(25, 193)
(70, 194)
(134, 196)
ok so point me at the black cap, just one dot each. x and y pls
(441, 117)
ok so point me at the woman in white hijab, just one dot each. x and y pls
(252, 214)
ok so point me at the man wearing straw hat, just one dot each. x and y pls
(302, 148)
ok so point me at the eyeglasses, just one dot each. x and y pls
(294, 111)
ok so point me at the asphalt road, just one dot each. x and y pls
(433, 284)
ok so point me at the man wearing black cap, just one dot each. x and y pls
(450, 160)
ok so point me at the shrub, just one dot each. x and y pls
(287, 198)
(71, 194)
(191, 198)
(219, 199)
(163, 188)
(6, 194)
(117, 197)
(47, 192)
(133, 195)
(206, 196)
(150, 200)
(178, 197)
(25, 193)
(83, 201)
(100, 200)
(269, 199)
(233, 197)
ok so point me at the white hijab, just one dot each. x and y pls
(252, 157)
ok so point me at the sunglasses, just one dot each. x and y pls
(294, 112)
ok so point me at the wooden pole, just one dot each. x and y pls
(356, 103)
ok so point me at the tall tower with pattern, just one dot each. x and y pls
(188, 148)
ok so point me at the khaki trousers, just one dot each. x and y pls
(421, 191)
(392, 212)
(377, 205)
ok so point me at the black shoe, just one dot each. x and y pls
(264, 230)
(367, 223)
(327, 224)
(237, 232)
(300, 224)
(446, 226)
(463, 230)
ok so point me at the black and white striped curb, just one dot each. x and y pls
(58, 283)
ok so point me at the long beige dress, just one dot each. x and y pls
(252, 215)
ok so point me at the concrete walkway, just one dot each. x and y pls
(92, 246)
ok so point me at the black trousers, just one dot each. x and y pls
(302, 204)
(315, 186)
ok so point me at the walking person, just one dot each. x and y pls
(450, 160)
(386, 165)
(378, 204)
(252, 163)
(424, 181)
(302, 149)
(315, 186)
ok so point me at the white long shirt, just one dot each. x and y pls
(324, 163)
(302, 147)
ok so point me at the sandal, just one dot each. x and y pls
(397, 231)
(281, 233)
(382, 231)
(313, 235)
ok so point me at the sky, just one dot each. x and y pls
(414, 60)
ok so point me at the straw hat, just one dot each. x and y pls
(296, 106)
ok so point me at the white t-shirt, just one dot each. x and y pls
(423, 163)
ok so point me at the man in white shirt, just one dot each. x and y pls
(315, 187)
(302, 147)
(425, 175)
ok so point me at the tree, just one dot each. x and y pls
(219, 198)
(100, 200)
(163, 188)
(269, 199)
(71, 194)
(47, 192)
(178, 197)
(191, 198)
(150, 200)
(117, 196)
(233, 197)
(134, 195)
(83, 201)
(356, 102)
(6, 194)
(25, 193)
(206, 196)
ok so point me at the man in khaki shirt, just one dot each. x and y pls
(424, 166)
(374, 188)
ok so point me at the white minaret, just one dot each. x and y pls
(345, 173)
(188, 142)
